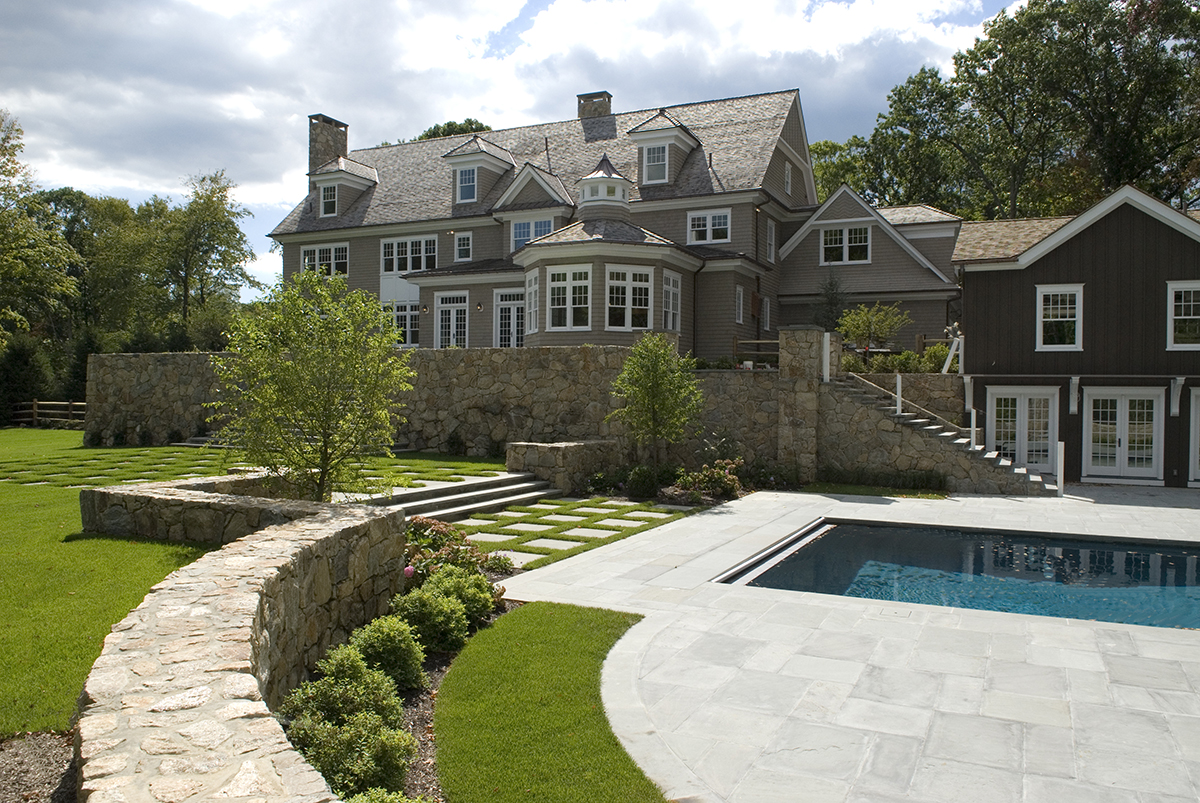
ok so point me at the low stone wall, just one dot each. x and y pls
(941, 394)
(147, 399)
(567, 466)
(857, 437)
(177, 706)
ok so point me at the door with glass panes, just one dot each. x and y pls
(1022, 425)
(510, 319)
(1122, 433)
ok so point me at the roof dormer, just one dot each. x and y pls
(338, 184)
(604, 193)
(663, 143)
(477, 166)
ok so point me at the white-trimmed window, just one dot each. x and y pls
(462, 246)
(1183, 316)
(671, 296)
(531, 301)
(509, 325)
(451, 312)
(525, 230)
(764, 313)
(711, 226)
(570, 298)
(1022, 424)
(409, 254)
(739, 297)
(770, 240)
(654, 164)
(1060, 317)
(787, 178)
(847, 244)
(329, 200)
(466, 185)
(629, 301)
(327, 260)
(407, 318)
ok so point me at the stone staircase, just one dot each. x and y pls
(451, 501)
(987, 470)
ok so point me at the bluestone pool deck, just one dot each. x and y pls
(755, 695)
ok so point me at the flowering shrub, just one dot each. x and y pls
(719, 481)
(433, 544)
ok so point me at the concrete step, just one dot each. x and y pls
(456, 500)
(468, 509)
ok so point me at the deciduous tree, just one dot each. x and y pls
(661, 394)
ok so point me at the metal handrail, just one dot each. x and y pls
(961, 430)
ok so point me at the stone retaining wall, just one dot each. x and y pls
(566, 466)
(147, 399)
(177, 706)
(941, 394)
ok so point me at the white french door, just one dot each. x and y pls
(1123, 433)
(510, 319)
(1022, 425)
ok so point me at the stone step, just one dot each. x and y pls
(463, 511)
(461, 502)
(437, 489)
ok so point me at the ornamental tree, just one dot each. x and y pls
(662, 396)
(872, 326)
(311, 385)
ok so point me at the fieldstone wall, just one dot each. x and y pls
(567, 466)
(147, 399)
(854, 436)
(177, 706)
(941, 394)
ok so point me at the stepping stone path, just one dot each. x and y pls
(561, 517)
(490, 537)
(647, 514)
(515, 514)
(519, 559)
(552, 543)
(621, 522)
(529, 527)
(593, 510)
(474, 523)
(541, 506)
(589, 532)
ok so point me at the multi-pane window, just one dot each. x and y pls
(1022, 425)
(510, 319)
(708, 227)
(327, 260)
(849, 244)
(739, 296)
(406, 316)
(402, 256)
(329, 200)
(570, 299)
(466, 184)
(462, 247)
(525, 231)
(787, 177)
(1060, 317)
(628, 299)
(770, 240)
(1183, 315)
(451, 311)
(656, 164)
(531, 302)
(670, 301)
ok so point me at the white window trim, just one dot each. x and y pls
(496, 304)
(628, 284)
(458, 185)
(739, 296)
(866, 224)
(325, 200)
(1171, 288)
(396, 271)
(532, 300)
(411, 313)
(787, 178)
(316, 250)
(707, 214)
(470, 238)
(675, 292)
(570, 271)
(1154, 476)
(666, 164)
(533, 235)
(772, 248)
(1023, 393)
(1048, 289)
(439, 305)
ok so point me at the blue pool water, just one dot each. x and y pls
(1133, 583)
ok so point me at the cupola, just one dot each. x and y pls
(604, 193)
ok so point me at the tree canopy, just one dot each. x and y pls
(449, 128)
(1052, 108)
(661, 394)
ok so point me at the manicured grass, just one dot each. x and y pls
(519, 715)
(418, 466)
(871, 490)
(518, 540)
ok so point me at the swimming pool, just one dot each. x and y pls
(1034, 573)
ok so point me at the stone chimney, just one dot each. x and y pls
(327, 140)
(594, 104)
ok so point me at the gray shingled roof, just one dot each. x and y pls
(1003, 240)
(478, 144)
(915, 213)
(603, 230)
(415, 182)
(348, 166)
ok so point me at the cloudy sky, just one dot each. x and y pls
(129, 97)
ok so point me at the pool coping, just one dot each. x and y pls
(736, 693)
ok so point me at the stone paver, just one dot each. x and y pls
(529, 527)
(589, 532)
(559, 517)
(552, 543)
(512, 514)
(489, 537)
(544, 506)
(519, 559)
(621, 522)
(647, 514)
(733, 693)
(475, 523)
(592, 510)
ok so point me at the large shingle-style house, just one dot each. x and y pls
(699, 219)
(1087, 330)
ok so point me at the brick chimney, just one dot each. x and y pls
(594, 104)
(327, 140)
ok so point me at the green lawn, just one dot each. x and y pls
(519, 715)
